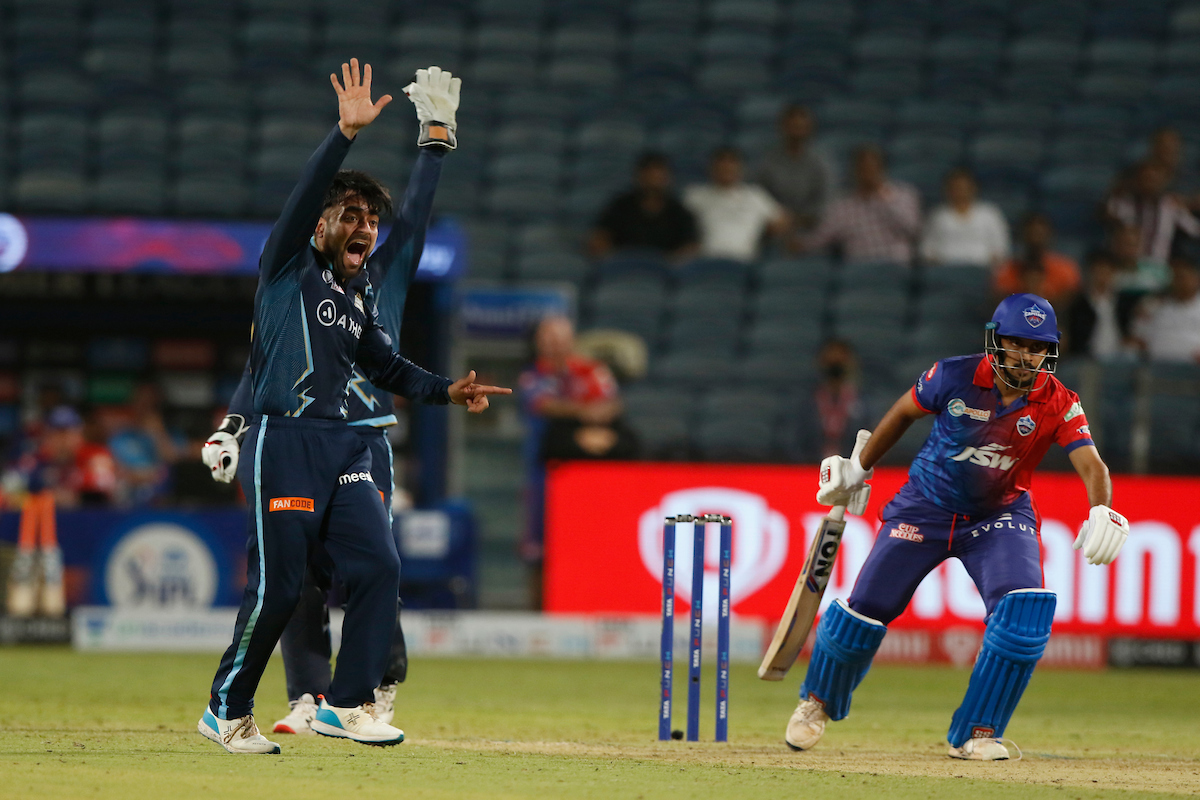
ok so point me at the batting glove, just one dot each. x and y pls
(220, 452)
(435, 95)
(843, 482)
(1102, 535)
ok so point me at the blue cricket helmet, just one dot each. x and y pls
(1025, 316)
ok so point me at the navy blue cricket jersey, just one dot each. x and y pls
(310, 331)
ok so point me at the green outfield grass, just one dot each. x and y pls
(123, 726)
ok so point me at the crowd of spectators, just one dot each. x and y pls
(99, 456)
(1128, 304)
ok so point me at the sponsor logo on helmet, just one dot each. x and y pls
(1074, 411)
(1034, 316)
(957, 408)
(1025, 425)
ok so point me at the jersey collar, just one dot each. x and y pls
(985, 378)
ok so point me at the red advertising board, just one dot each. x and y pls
(604, 546)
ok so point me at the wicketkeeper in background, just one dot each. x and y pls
(967, 497)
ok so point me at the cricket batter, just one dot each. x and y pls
(307, 474)
(306, 642)
(967, 497)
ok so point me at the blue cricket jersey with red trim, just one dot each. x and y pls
(980, 456)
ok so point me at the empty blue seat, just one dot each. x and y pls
(762, 14)
(936, 148)
(591, 73)
(1015, 116)
(1121, 55)
(585, 40)
(626, 136)
(1040, 50)
(55, 190)
(936, 116)
(1185, 20)
(1039, 84)
(211, 195)
(775, 274)
(1115, 87)
(651, 47)
(887, 83)
(1082, 182)
(549, 266)
(511, 11)
(1067, 17)
(521, 201)
(842, 113)
(499, 40)
(888, 47)
(736, 440)
(1085, 150)
(1017, 155)
(1144, 21)
(525, 136)
(425, 34)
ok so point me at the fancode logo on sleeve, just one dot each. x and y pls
(291, 504)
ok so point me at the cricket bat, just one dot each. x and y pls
(802, 606)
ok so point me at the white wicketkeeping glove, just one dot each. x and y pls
(843, 482)
(220, 452)
(1102, 535)
(435, 94)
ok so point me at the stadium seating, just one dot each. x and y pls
(210, 107)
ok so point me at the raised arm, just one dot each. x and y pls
(903, 413)
(406, 241)
(303, 207)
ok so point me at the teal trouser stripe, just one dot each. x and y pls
(244, 644)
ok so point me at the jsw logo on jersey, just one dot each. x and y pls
(990, 455)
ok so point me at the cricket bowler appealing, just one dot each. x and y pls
(967, 497)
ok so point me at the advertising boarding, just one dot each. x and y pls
(604, 527)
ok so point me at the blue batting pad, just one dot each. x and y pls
(846, 643)
(1013, 643)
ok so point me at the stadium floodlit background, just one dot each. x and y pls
(146, 146)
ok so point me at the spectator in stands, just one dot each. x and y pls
(572, 410)
(1168, 327)
(1158, 217)
(733, 216)
(878, 221)
(829, 416)
(965, 230)
(67, 464)
(1039, 270)
(647, 217)
(1167, 151)
(1094, 323)
(1135, 273)
(143, 448)
(795, 174)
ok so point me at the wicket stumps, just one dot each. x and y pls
(699, 535)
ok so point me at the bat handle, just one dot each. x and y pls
(837, 513)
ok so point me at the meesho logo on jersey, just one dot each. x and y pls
(990, 455)
(760, 542)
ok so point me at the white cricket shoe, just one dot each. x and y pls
(236, 735)
(358, 724)
(299, 719)
(981, 750)
(385, 703)
(807, 725)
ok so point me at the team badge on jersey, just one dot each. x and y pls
(1034, 316)
(358, 303)
(1025, 425)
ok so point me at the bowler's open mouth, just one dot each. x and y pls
(356, 253)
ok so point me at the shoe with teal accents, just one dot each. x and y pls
(358, 724)
(239, 736)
